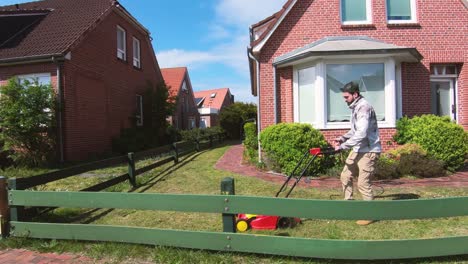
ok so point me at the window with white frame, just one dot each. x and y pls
(136, 53)
(121, 44)
(401, 11)
(354, 12)
(42, 78)
(318, 99)
(139, 110)
(371, 80)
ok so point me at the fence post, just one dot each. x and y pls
(197, 145)
(211, 141)
(16, 212)
(4, 210)
(229, 220)
(176, 153)
(131, 169)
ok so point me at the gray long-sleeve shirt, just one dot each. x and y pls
(364, 133)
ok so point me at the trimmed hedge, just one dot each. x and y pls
(251, 142)
(439, 136)
(285, 144)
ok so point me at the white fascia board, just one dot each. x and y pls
(260, 45)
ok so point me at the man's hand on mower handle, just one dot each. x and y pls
(336, 145)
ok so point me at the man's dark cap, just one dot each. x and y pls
(350, 87)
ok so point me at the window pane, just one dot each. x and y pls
(371, 79)
(306, 81)
(399, 9)
(353, 10)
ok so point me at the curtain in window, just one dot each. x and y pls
(306, 81)
(353, 10)
(371, 80)
(399, 9)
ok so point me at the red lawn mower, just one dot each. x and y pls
(267, 222)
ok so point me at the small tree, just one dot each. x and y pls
(27, 121)
(232, 118)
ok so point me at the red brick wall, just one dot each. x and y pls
(100, 90)
(440, 36)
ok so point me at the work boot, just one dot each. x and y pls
(364, 222)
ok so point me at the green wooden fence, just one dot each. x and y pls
(229, 205)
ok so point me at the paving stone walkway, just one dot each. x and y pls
(22, 256)
(232, 161)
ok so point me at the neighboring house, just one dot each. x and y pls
(409, 57)
(97, 57)
(186, 114)
(211, 103)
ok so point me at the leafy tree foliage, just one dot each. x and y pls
(232, 118)
(27, 121)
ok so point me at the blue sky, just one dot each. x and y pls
(209, 37)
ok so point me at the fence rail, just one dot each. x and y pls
(231, 242)
(231, 205)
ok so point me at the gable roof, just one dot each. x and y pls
(62, 24)
(173, 77)
(213, 98)
(262, 31)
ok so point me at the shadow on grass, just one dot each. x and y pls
(400, 196)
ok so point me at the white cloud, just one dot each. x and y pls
(246, 12)
(230, 31)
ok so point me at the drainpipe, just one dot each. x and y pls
(59, 105)
(275, 95)
(258, 105)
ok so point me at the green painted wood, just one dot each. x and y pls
(131, 169)
(276, 245)
(316, 209)
(229, 220)
(25, 183)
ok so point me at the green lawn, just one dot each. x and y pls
(195, 174)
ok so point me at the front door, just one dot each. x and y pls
(443, 97)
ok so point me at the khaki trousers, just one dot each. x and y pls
(359, 164)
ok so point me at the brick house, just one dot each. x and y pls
(96, 55)
(210, 104)
(186, 114)
(409, 57)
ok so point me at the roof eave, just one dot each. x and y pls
(258, 44)
(415, 55)
(32, 59)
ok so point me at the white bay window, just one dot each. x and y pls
(318, 99)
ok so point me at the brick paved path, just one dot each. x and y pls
(21, 256)
(232, 161)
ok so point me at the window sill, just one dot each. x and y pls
(137, 68)
(404, 25)
(122, 60)
(358, 26)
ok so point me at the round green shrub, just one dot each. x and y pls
(286, 143)
(439, 136)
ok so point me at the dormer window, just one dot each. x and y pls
(401, 11)
(121, 45)
(356, 12)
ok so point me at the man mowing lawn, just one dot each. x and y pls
(364, 140)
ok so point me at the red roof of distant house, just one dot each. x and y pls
(213, 98)
(49, 27)
(174, 78)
